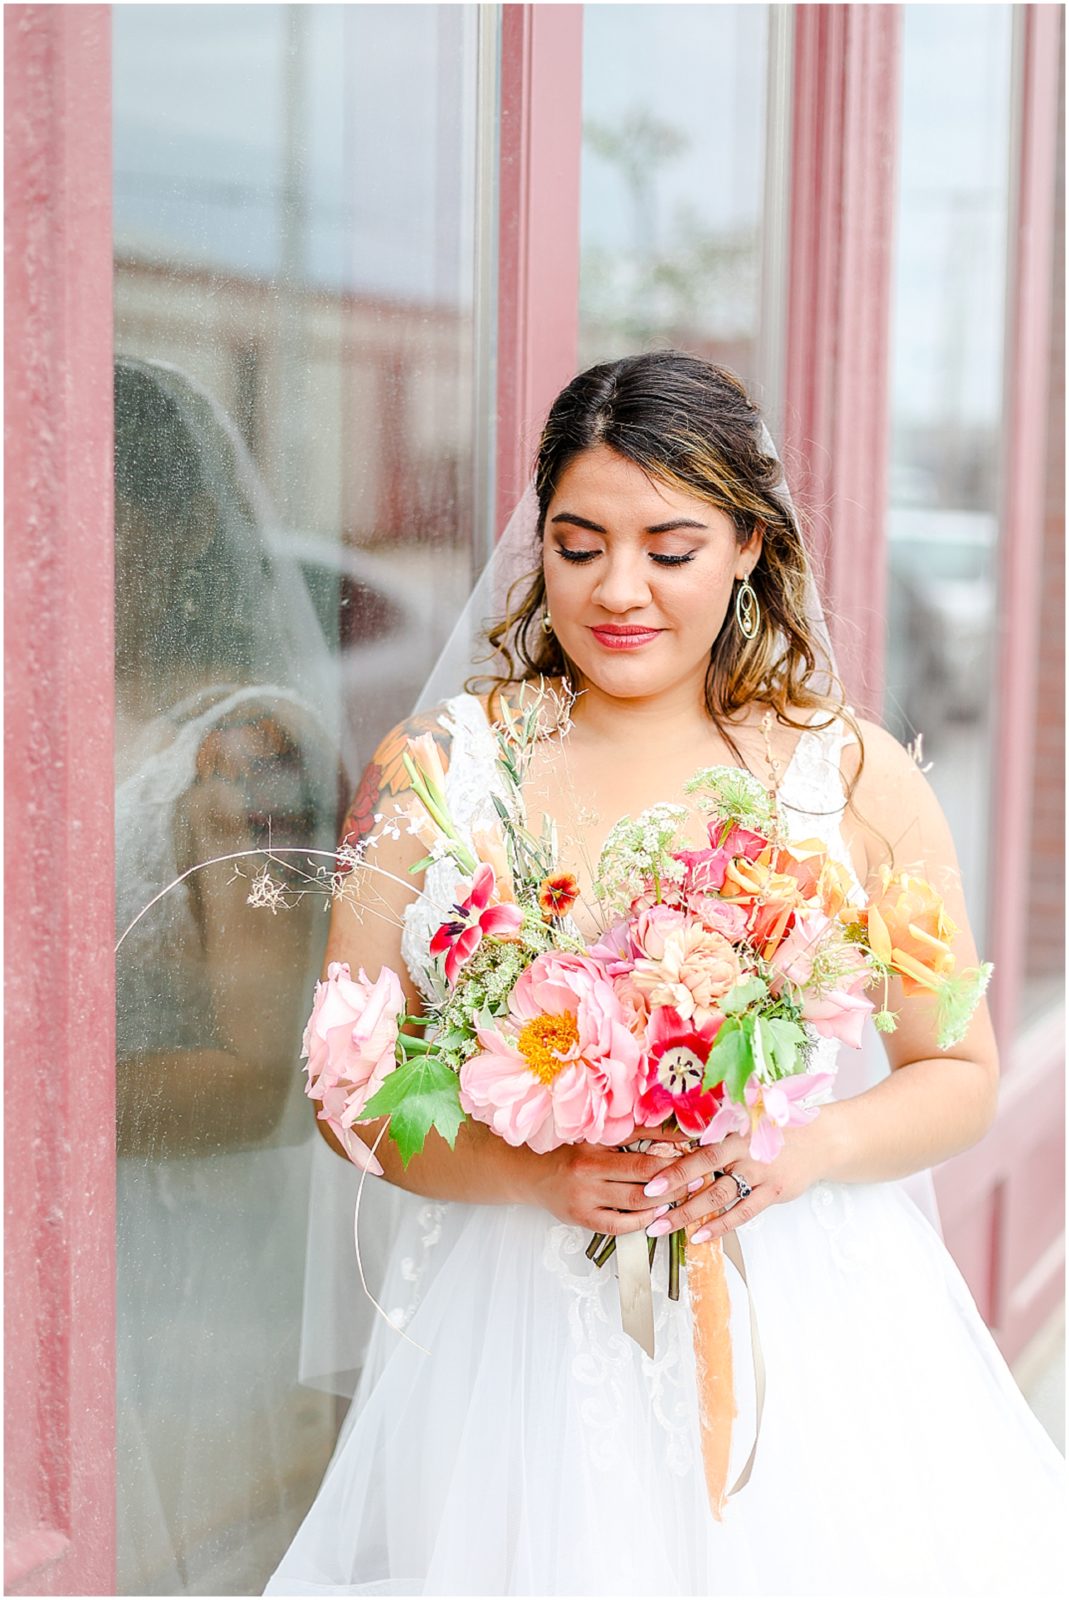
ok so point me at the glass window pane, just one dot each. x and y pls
(947, 422)
(673, 181)
(295, 361)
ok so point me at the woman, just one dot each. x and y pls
(528, 1446)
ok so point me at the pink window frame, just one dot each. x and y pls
(59, 1314)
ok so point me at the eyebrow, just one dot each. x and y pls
(660, 527)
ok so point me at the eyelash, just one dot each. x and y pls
(582, 556)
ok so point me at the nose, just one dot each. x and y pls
(622, 584)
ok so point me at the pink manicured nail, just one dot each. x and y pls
(696, 1185)
(656, 1186)
(701, 1236)
(655, 1229)
(660, 1211)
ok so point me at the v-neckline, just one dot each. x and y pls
(806, 733)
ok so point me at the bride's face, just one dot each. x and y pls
(639, 577)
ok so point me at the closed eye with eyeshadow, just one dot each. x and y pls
(661, 559)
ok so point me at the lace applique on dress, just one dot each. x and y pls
(428, 1220)
(833, 1207)
(603, 1356)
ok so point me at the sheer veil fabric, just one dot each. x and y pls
(338, 1316)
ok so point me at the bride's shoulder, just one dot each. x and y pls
(892, 798)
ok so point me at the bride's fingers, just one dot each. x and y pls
(617, 1222)
(718, 1207)
(677, 1178)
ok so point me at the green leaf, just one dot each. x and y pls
(743, 994)
(731, 1058)
(781, 1039)
(420, 1095)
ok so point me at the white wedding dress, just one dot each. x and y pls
(537, 1450)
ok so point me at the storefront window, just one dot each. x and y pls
(951, 234)
(295, 363)
(675, 201)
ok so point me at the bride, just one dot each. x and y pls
(506, 1436)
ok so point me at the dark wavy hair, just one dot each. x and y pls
(691, 425)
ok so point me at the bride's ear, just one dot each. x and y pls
(750, 553)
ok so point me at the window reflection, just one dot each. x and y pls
(674, 107)
(949, 322)
(294, 535)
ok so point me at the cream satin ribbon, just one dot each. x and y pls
(636, 1311)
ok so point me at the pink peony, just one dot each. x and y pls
(681, 963)
(769, 1108)
(475, 920)
(677, 1051)
(563, 1066)
(350, 1041)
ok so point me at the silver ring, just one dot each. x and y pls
(741, 1184)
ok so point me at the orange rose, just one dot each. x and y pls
(771, 894)
(909, 929)
(833, 887)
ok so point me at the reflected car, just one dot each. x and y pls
(940, 618)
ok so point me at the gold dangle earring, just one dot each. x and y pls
(547, 622)
(747, 609)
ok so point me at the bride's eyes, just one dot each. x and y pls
(588, 555)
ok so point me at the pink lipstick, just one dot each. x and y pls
(619, 638)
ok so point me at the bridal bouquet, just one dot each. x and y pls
(715, 974)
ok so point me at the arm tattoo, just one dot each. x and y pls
(385, 775)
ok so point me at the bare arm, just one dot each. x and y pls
(934, 1103)
(585, 1184)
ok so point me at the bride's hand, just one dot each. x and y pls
(716, 1207)
(599, 1187)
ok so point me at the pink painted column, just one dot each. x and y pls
(59, 1319)
(837, 411)
(1021, 545)
(538, 245)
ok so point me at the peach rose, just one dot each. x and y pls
(909, 929)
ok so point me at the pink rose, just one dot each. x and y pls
(350, 1042)
(792, 960)
(720, 915)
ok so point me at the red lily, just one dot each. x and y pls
(475, 919)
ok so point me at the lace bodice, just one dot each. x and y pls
(810, 792)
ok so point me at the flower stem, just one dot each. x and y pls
(605, 1252)
(596, 1241)
(673, 1264)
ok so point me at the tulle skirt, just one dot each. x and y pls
(535, 1449)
